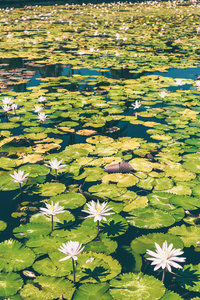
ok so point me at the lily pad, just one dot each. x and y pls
(189, 235)
(101, 245)
(49, 189)
(3, 225)
(69, 200)
(14, 256)
(35, 170)
(188, 203)
(45, 287)
(123, 180)
(136, 286)
(150, 218)
(10, 283)
(31, 230)
(144, 242)
(90, 291)
(60, 220)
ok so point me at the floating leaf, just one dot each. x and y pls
(50, 189)
(150, 218)
(188, 203)
(189, 235)
(3, 225)
(136, 286)
(91, 291)
(101, 245)
(123, 180)
(144, 242)
(14, 256)
(45, 287)
(10, 283)
(69, 200)
(31, 230)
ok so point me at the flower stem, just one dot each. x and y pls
(51, 223)
(98, 230)
(74, 280)
(20, 185)
(56, 174)
(163, 275)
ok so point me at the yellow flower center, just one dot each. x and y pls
(98, 208)
(51, 207)
(165, 255)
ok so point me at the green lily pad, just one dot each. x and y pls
(49, 189)
(150, 218)
(69, 200)
(161, 201)
(35, 170)
(144, 242)
(59, 220)
(95, 267)
(171, 295)
(31, 230)
(14, 256)
(3, 225)
(101, 245)
(90, 291)
(189, 277)
(123, 180)
(83, 233)
(6, 184)
(10, 283)
(159, 184)
(139, 202)
(188, 203)
(45, 287)
(7, 163)
(44, 244)
(114, 226)
(48, 267)
(189, 235)
(136, 286)
(106, 190)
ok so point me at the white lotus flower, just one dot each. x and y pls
(136, 105)
(7, 101)
(19, 177)
(179, 82)
(72, 249)
(38, 108)
(42, 99)
(6, 107)
(197, 83)
(55, 164)
(165, 257)
(163, 94)
(42, 117)
(14, 107)
(97, 211)
(52, 209)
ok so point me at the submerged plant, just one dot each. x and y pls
(19, 177)
(52, 210)
(56, 165)
(98, 212)
(165, 258)
(71, 249)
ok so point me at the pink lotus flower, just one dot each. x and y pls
(71, 249)
(19, 177)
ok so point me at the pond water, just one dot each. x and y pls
(111, 91)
